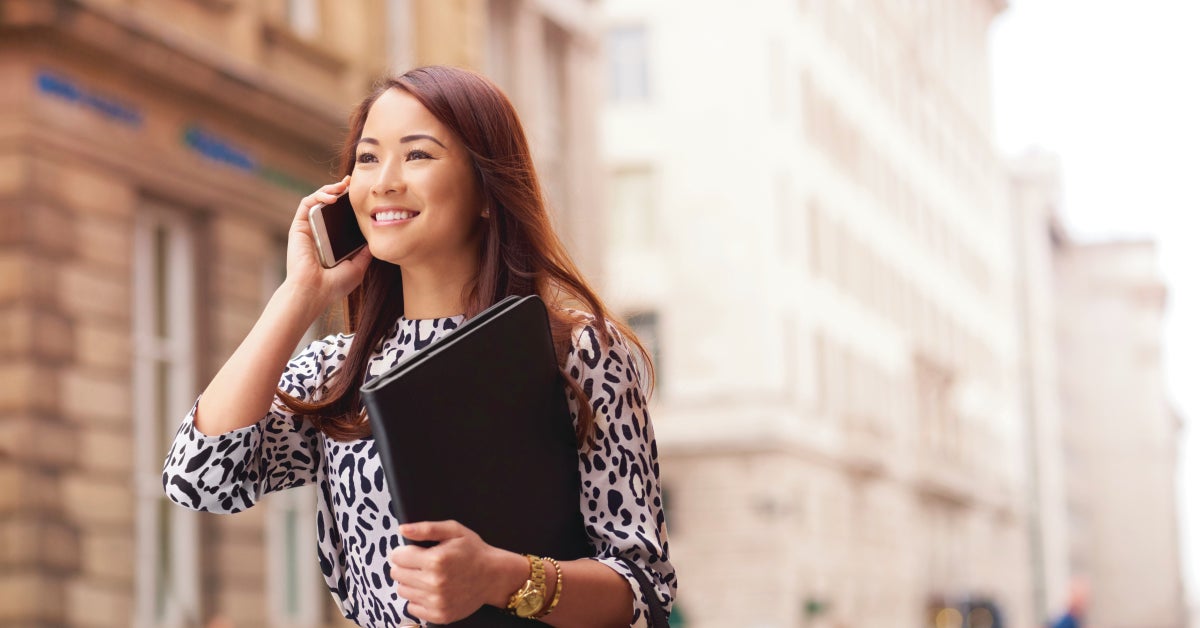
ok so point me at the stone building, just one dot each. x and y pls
(1035, 197)
(892, 390)
(809, 218)
(1104, 439)
(1121, 436)
(151, 157)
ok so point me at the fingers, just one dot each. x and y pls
(407, 557)
(415, 571)
(407, 578)
(325, 194)
(408, 561)
(441, 583)
(410, 593)
(412, 581)
(432, 530)
(335, 188)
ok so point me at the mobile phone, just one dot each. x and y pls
(335, 230)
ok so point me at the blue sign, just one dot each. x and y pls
(217, 149)
(214, 147)
(64, 88)
(206, 143)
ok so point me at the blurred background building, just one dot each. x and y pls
(153, 154)
(1121, 436)
(889, 391)
(809, 215)
(1103, 437)
(868, 357)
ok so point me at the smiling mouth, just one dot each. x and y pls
(392, 216)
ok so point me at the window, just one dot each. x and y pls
(821, 382)
(787, 219)
(938, 424)
(645, 325)
(628, 78)
(777, 78)
(555, 122)
(501, 30)
(294, 581)
(400, 35)
(818, 248)
(631, 213)
(303, 17)
(668, 508)
(164, 385)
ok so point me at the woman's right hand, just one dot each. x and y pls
(320, 286)
(243, 391)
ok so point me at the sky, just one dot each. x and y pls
(1113, 88)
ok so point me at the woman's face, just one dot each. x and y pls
(413, 188)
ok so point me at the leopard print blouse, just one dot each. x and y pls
(619, 494)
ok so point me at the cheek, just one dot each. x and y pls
(359, 189)
(456, 203)
(460, 193)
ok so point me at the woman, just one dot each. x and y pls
(440, 176)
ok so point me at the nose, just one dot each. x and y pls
(390, 179)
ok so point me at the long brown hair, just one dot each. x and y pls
(520, 252)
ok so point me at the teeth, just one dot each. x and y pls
(402, 215)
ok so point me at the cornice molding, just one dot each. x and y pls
(173, 178)
(135, 45)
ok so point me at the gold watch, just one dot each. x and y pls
(530, 598)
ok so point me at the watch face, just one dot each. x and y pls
(530, 603)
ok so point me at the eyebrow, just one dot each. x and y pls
(421, 136)
(404, 140)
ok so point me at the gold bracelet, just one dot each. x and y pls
(557, 588)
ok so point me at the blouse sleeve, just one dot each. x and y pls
(229, 472)
(620, 495)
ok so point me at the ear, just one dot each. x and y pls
(486, 213)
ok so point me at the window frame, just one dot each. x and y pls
(307, 22)
(301, 504)
(633, 55)
(633, 226)
(153, 421)
(400, 33)
(646, 324)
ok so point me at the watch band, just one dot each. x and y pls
(558, 585)
(529, 599)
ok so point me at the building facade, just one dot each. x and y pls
(1103, 438)
(1035, 198)
(153, 154)
(1121, 436)
(809, 218)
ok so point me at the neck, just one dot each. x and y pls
(435, 293)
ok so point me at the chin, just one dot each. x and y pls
(384, 253)
(375, 250)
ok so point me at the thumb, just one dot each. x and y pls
(431, 530)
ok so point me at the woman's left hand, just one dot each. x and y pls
(453, 579)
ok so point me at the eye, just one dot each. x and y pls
(365, 158)
(416, 154)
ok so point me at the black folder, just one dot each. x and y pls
(475, 428)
